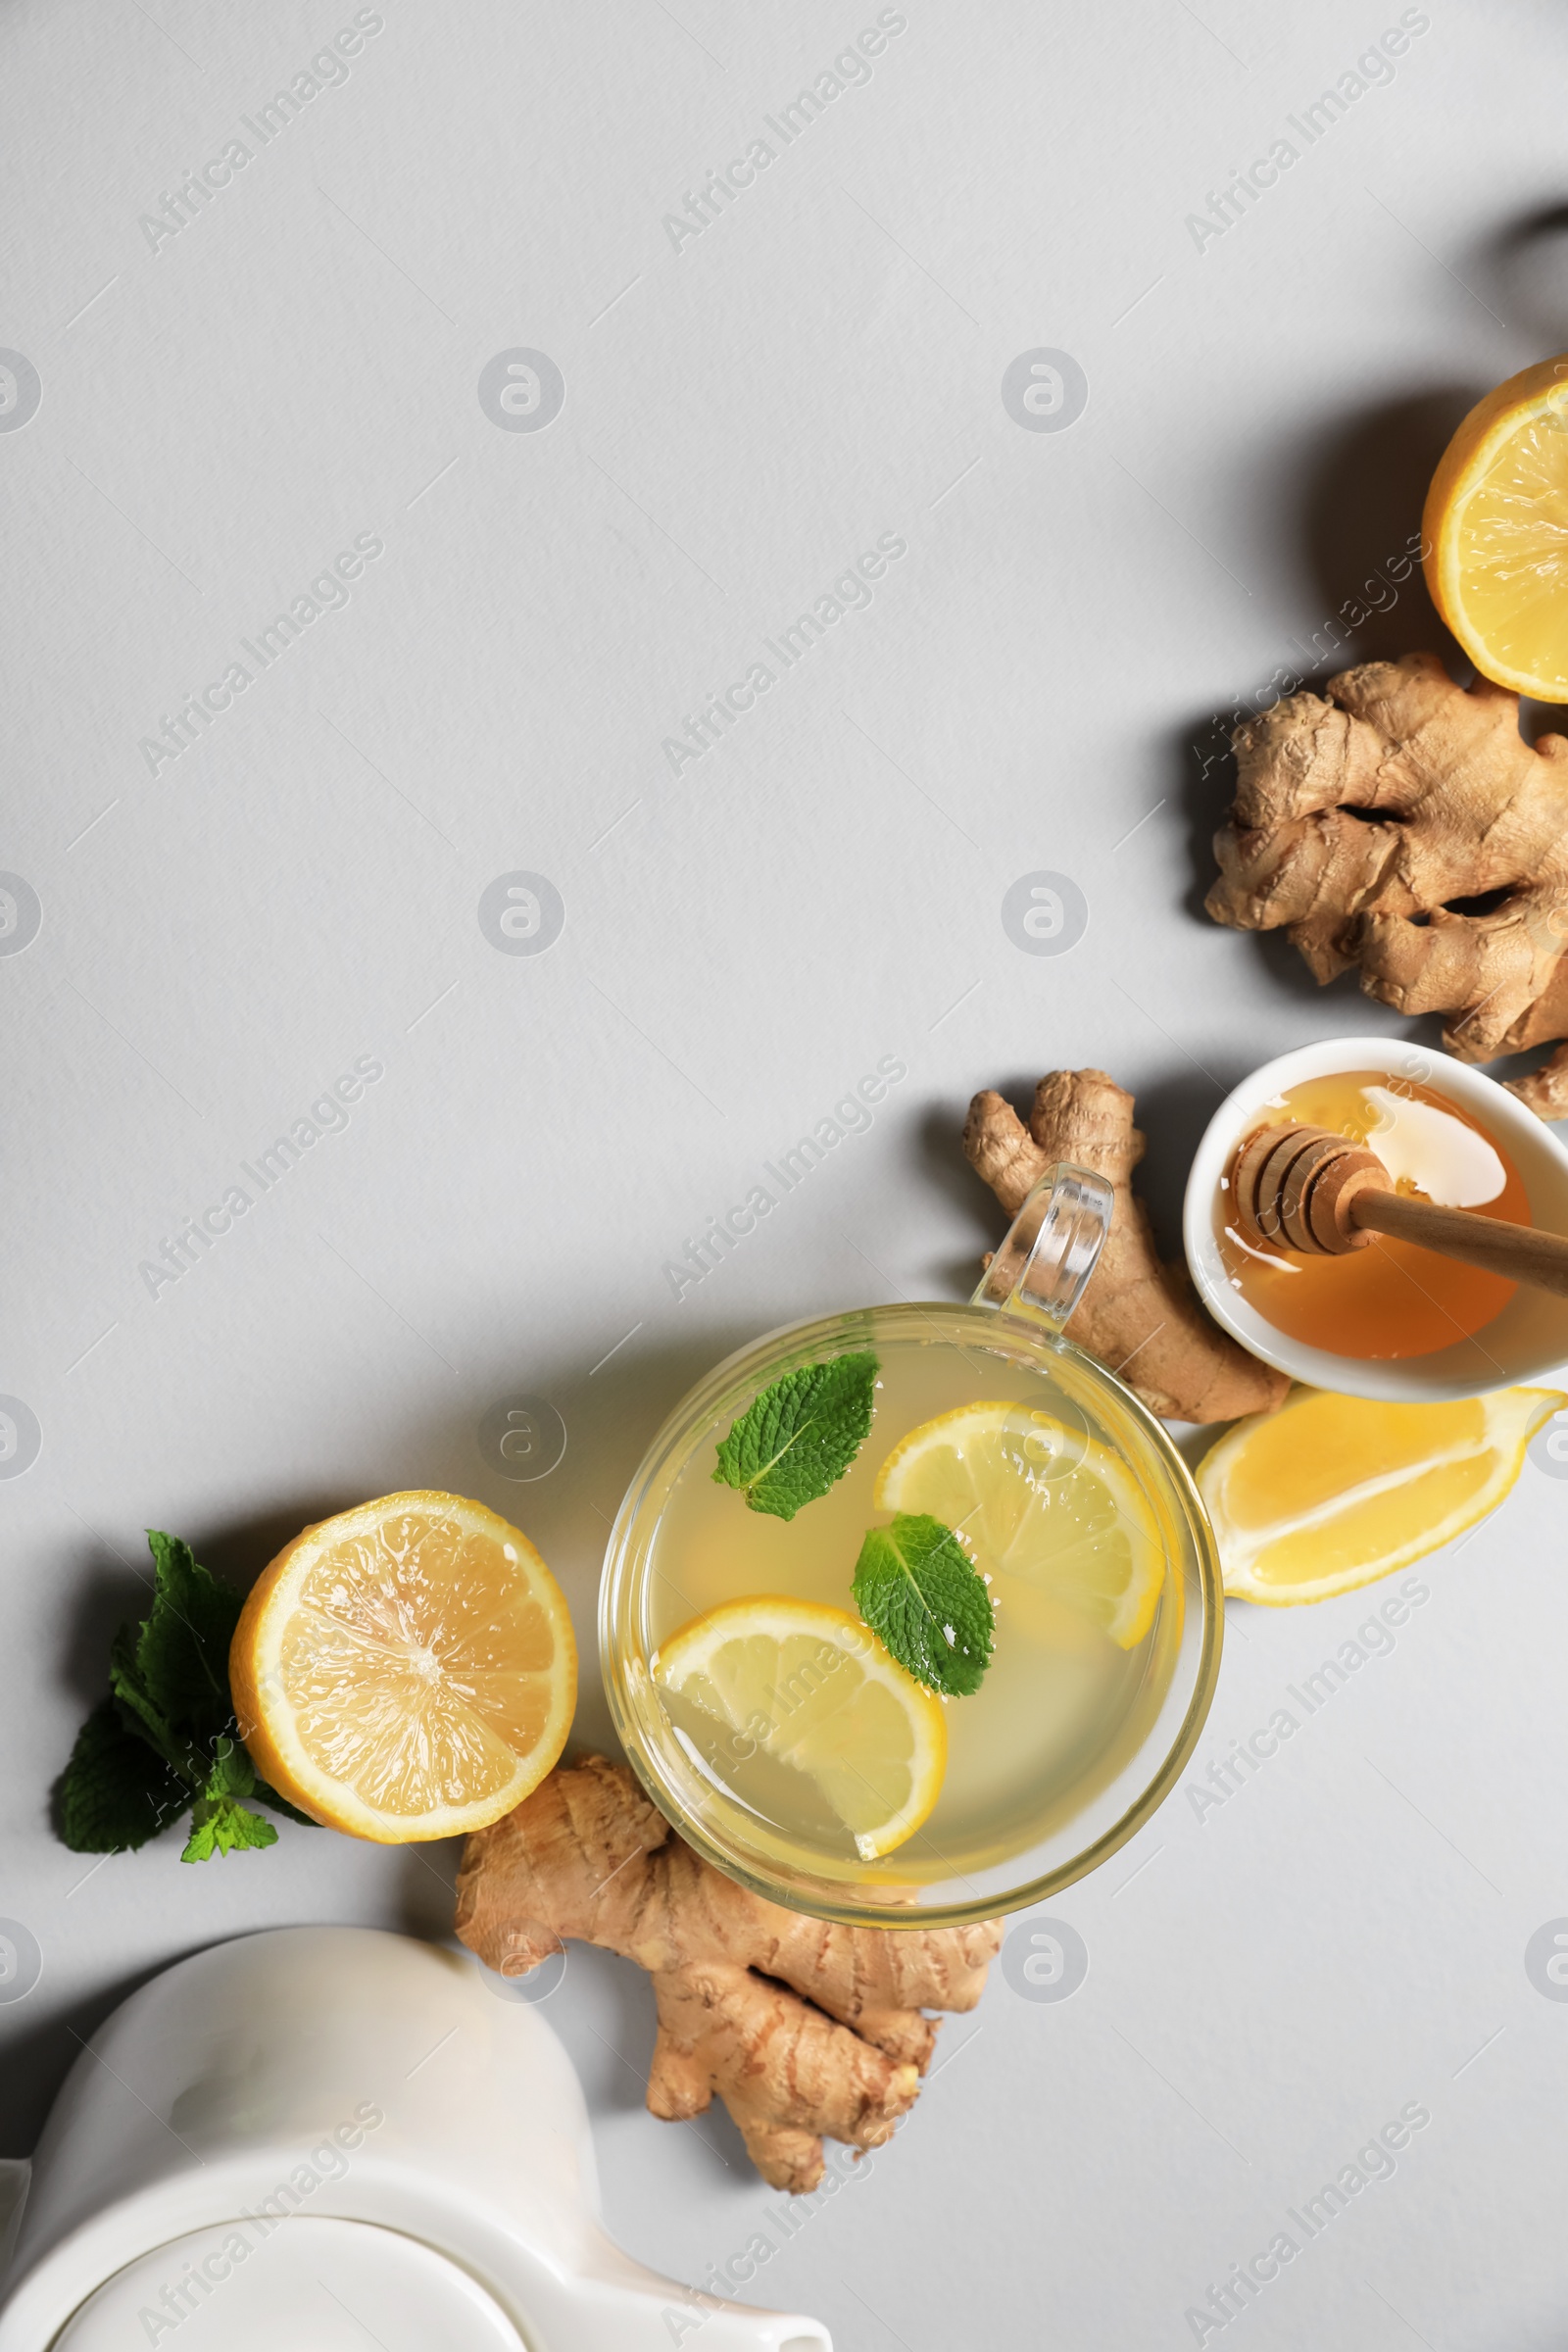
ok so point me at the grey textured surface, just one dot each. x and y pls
(1029, 691)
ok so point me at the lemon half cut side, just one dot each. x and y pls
(1331, 1493)
(1495, 533)
(406, 1670)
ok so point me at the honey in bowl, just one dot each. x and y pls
(1389, 1298)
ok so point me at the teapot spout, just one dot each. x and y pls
(715, 2327)
(635, 2310)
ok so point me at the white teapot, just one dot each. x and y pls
(425, 2144)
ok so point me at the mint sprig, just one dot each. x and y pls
(117, 1791)
(798, 1437)
(926, 1601)
(164, 1740)
(218, 1822)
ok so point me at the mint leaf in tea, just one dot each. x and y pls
(796, 1440)
(926, 1601)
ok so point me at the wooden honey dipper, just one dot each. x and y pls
(1303, 1187)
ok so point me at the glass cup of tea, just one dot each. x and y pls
(766, 1719)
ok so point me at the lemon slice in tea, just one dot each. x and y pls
(1039, 1510)
(812, 1688)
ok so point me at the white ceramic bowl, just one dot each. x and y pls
(1527, 1342)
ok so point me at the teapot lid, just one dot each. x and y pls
(252, 2284)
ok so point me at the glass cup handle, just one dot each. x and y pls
(1052, 1248)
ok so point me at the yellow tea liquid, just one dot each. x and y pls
(1062, 1707)
(1389, 1299)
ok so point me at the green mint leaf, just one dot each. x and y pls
(219, 1823)
(926, 1601)
(221, 1829)
(183, 1650)
(116, 1793)
(166, 1736)
(140, 1711)
(233, 1774)
(798, 1437)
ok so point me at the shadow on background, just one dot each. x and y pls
(1362, 488)
(1355, 512)
(943, 1166)
(237, 1550)
(1521, 271)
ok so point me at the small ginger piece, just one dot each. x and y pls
(1137, 1316)
(1368, 826)
(804, 2028)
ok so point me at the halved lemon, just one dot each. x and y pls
(1041, 1509)
(812, 1688)
(1333, 1492)
(406, 1670)
(1495, 533)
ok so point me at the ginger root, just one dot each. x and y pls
(804, 2028)
(1368, 824)
(1137, 1316)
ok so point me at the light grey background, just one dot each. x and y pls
(1032, 688)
